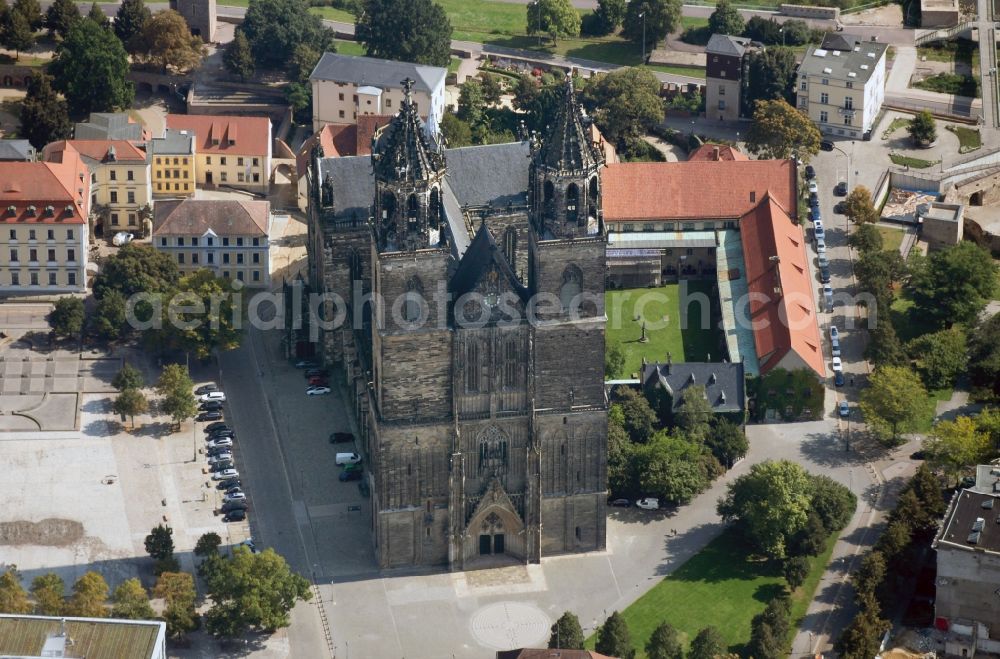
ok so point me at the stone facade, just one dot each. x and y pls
(482, 446)
(200, 16)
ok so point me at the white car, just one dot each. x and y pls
(648, 503)
(317, 391)
(212, 395)
(837, 365)
(121, 238)
(222, 457)
(225, 474)
(835, 347)
(234, 496)
(820, 244)
(834, 333)
(219, 443)
(813, 187)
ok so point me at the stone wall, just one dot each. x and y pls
(967, 581)
(805, 11)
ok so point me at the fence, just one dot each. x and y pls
(881, 191)
(947, 33)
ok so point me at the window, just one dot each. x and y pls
(177, 173)
(131, 197)
(175, 161)
(180, 257)
(163, 242)
(340, 97)
(850, 85)
(114, 196)
(239, 241)
(256, 242)
(823, 117)
(225, 258)
(13, 234)
(222, 176)
(388, 102)
(225, 241)
(628, 227)
(239, 162)
(824, 98)
(355, 98)
(572, 285)
(15, 279)
(256, 177)
(240, 177)
(239, 259)
(847, 120)
(50, 234)
(210, 241)
(71, 255)
(130, 175)
(689, 226)
(341, 114)
(185, 161)
(159, 161)
(826, 81)
(52, 279)
(31, 234)
(185, 187)
(222, 161)
(113, 175)
(69, 234)
(177, 186)
(848, 103)
(210, 257)
(256, 275)
(256, 162)
(71, 278)
(93, 177)
(194, 241)
(32, 254)
(803, 86)
(256, 258)
(472, 367)
(180, 241)
(225, 274)
(114, 219)
(194, 258)
(33, 278)
(208, 160)
(648, 227)
(159, 186)
(52, 255)
(689, 251)
(722, 104)
(131, 218)
(722, 90)
(239, 275)
(510, 364)
(13, 256)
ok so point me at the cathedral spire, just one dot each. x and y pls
(567, 145)
(401, 151)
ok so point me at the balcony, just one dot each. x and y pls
(846, 111)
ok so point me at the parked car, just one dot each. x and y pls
(214, 415)
(319, 381)
(824, 274)
(206, 388)
(837, 365)
(306, 363)
(220, 458)
(218, 451)
(229, 506)
(835, 347)
(220, 434)
(235, 496)
(221, 467)
(228, 484)
(648, 503)
(838, 378)
(317, 391)
(234, 489)
(918, 455)
(820, 244)
(843, 410)
(619, 503)
(350, 475)
(213, 396)
(822, 262)
(341, 437)
(347, 458)
(235, 516)
(214, 427)
(354, 466)
(810, 172)
(841, 189)
(814, 214)
(834, 333)
(210, 406)
(839, 208)
(121, 238)
(819, 231)
(225, 475)
(826, 145)
(813, 199)
(828, 297)
(813, 186)
(221, 442)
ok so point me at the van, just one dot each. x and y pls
(348, 458)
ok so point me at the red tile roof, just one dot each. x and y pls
(653, 191)
(782, 304)
(251, 136)
(716, 152)
(42, 184)
(367, 125)
(340, 140)
(96, 150)
(226, 217)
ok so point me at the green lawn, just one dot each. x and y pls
(915, 163)
(892, 238)
(951, 83)
(969, 139)
(721, 587)
(349, 47)
(897, 123)
(665, 336)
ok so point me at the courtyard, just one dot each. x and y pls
(680, 320)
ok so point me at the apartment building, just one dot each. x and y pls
(231, 151)
(726, 76)
(227, 236)
(110, 126)
(43, 225)
(841, 85)
(346, 87)
(119, 181)
(172, 159)
(14, 150)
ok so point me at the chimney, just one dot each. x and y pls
(715, 153)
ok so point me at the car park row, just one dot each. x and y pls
(220, 439)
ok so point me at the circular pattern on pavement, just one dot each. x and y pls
(510, 625)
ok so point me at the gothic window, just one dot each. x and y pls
(492, 452)
(412, 210)
(354, 265)
(510, 246)
(549, 193)
(473, 370)
(592, 196)
(414, 295)
(572, 285)
(572, 202)
(510, 355)
(434, 212)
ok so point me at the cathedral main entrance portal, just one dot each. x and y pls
(491, 544)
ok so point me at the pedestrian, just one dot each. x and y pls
(852, 380)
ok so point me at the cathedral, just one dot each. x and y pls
(472, 339)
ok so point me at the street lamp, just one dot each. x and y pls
(782, 30)
(538, 19)
(642, 15)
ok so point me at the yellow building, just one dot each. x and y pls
(231, 152)
(173, 164)
(119, 182)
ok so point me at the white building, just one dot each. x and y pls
(345, 87)
(841, 85)
(35, 637)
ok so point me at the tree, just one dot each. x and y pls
(795, 570)
(90, 596)
(625, 102)
(810, 540)
(695, 413)
(18, 35)
(893, 402)
(177, 591)
(556, 18)
(866, 238)
(955, 445)
(129, 403)
(884, 347)
(765, 30)
(160, 542)
(727, 442)
(896, 537)
(878, 272)
(131, 17)
(418, 31)
(940, 357)
(136, 268)
(44, 117)
(984, 357)
(639, 419)
(610, 14)
(167, 43)
(129, 377)
(539, 99)
(770, 504)
(470, 101)
(492, 88)
(109, 320)
(726, 19)
(769, 629)
(275, 27)
(90, 53)
(614, 361)
(567, 634)
(13, 598)
(956, 284)
(455, 131)
(190, 330)
(131, 602)
(31, 11)
(832, 502)
(862, 638)
(178, 400)
(858, 206)
(772, 76)
(669, 468)
(49, 593)
(708, 644)
(61, 16)
(303, 61)
(664, 643)
(927, 488)
(67, 317)
(613, 638)
(661, 18)
(252, 591)
(779, 130)
(207, 545)
(921, 128)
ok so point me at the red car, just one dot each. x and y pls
(318, 381)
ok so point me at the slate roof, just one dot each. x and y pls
(93, 638)
(173, 143)
(382, 73)
(959, 530)
(353, 185)
(224, 217)
(723, 44)
(844, 56)
(567, 144)
(493, 174)
(402, 150)
(481, 254)
(108, 126)
(723, 382)
(14, 150)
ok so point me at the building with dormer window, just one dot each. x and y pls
(231, 152)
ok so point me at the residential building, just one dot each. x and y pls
(484, 445)
(43, 225)
(727, 74)
(16, 150)
(200, 17)
(724, 385)
(231, 151)
(346, 87)
(120, 190)
(715, 153)
(968, 562)
(173, 159)
(841, 84)
(110, 126)
(227, 236)
(35, 637)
